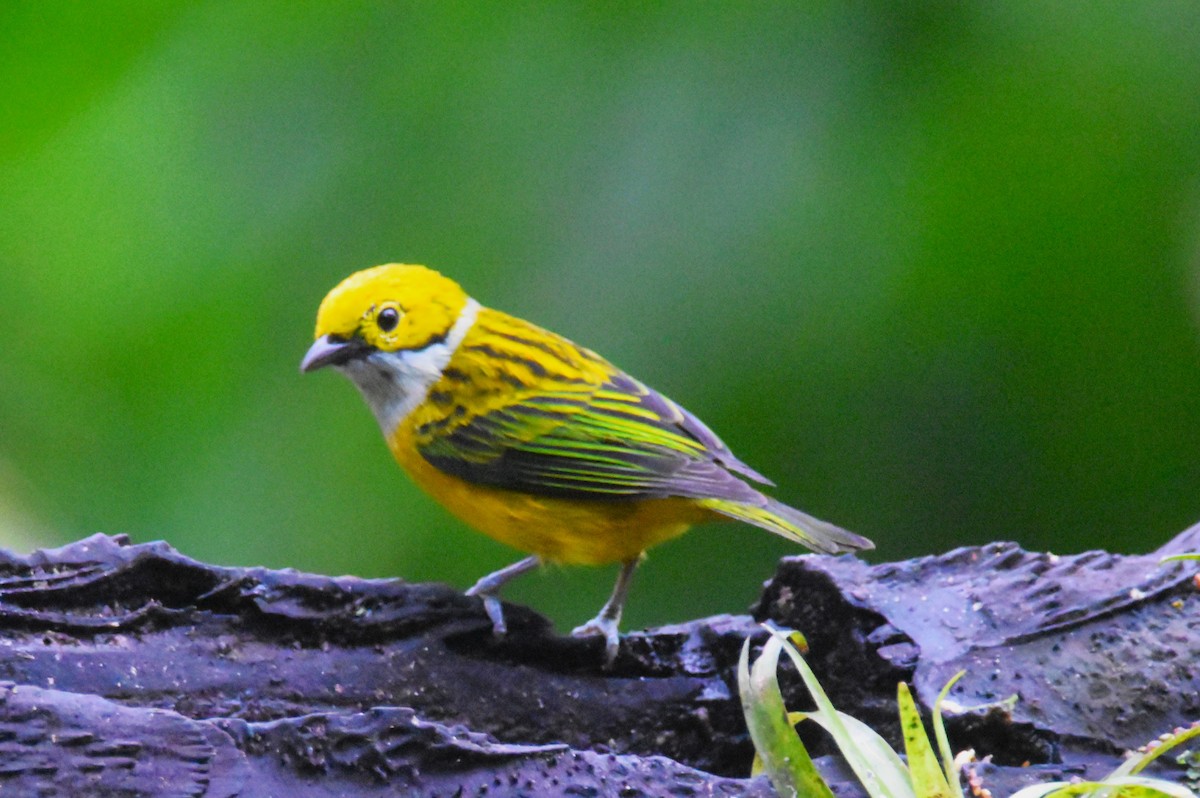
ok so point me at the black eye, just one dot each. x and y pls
(387, 319)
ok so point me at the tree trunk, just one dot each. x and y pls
(131, 670)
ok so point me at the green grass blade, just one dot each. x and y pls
(786, 762)
(1146, 787)
(943, 742)
(864, 756)
(928, 779)
(886, 766)
(1122, 787)
(1135, 764)
(1191, 555)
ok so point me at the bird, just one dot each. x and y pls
(534, 440)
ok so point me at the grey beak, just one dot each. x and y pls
(327, 352)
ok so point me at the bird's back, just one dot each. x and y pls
(510, 385)
(502, 361)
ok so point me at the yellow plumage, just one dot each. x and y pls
(572, 531)
(531, 439)
(488, 372)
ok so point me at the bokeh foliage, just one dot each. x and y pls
(933, 267)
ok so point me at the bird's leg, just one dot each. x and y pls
(607, 621)
(487, 588)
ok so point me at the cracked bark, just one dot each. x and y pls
(132, 670)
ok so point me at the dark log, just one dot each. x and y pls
(131, 670)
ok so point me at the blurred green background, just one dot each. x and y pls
(933, 268)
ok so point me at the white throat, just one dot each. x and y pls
(394, 383)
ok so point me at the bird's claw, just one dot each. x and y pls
(487, 588)
(491, 605)
(602, 625)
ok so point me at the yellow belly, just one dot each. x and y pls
(574, 531)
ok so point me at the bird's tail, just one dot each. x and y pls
(788, 522)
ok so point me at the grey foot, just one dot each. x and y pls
(487, 588)
(491, 605)
(601, 625)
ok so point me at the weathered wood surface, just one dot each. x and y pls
(132, 670)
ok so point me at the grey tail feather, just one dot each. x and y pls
(795, 525)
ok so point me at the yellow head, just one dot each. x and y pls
(391, 330)
(391, 307)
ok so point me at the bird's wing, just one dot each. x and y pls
(620, 440)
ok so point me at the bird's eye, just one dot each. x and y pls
(387, 319)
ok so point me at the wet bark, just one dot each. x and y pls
(132, 670)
